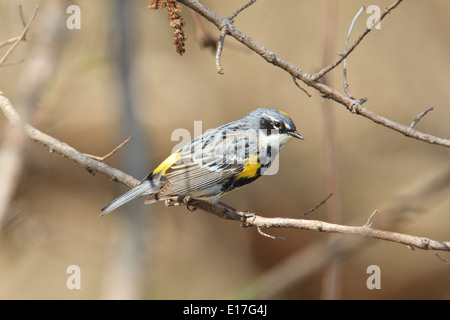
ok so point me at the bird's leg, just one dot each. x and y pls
(187, 200)
(175, 201)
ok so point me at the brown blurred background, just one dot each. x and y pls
(154, 252)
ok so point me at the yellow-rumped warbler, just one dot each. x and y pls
(217, 161)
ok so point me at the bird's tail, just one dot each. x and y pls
(144, 187)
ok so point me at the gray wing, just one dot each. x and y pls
(206, 162)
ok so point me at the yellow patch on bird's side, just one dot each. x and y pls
(251, 167)
(166, 164)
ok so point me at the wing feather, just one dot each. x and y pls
(206, 162)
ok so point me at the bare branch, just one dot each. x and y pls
(419, 195)
(327, 69)
(268, 235)
(442, 259)
(369, 222)
(347, 91)
(22, 17)
(9, 41)
(353, 105)
(111, 153)
(19, 38)
(223, 33)
(315, 207)
(61, 148)
(419, 117)
(251, 219)
(234, 14)
(298, 86)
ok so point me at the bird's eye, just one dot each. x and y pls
(277, 124)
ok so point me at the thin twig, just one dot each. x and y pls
(314, 208)
(101, 159)
(442, 259)
(298, 86)
(269, 235)
(330, 67)
(369, 222)
(419, 117)
(11, 63)
(22, 16)
(347, 91)
(9, 41)
(234, 14)
(223, 34)
(20, 38)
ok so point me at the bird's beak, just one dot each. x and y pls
(296, 135)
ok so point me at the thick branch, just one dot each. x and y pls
(354, 105)
(251, 219)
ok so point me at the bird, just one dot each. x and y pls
(216, 162)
